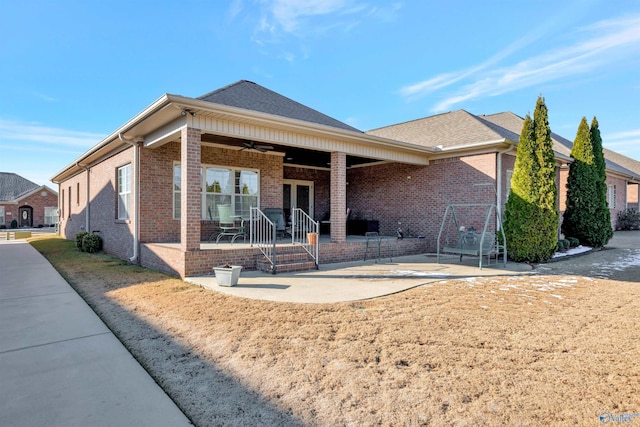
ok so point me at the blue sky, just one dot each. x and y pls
(72, 72)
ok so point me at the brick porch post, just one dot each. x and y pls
(338, 197)
(190, 196)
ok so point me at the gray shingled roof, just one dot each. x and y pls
(456, 128)
(614, 161)
(252, 96)
(13, 186)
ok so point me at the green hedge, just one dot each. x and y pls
(79, 236)
(88, 242)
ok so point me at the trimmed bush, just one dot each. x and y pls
(79, 236)
(3, 227)
(574, 242)
(628, 219)
(91, 243)
(14, 223)
(561, 246)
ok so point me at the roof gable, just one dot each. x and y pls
(13, 186)
(456, 128)
(251, 96)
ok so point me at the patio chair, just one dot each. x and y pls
(228, 224)
(276, 215)
(216, 228)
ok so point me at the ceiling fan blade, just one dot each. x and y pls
(263, 147)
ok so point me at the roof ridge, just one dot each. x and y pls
(255, 97)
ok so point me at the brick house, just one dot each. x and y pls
(148, 187)
(30, 204)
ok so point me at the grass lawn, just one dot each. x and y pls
(525, 350)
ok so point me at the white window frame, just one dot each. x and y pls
(124, 192)
(611, 199)
(50, 215)
(234, 196)
(2, 219)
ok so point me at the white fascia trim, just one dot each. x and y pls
(299, 125)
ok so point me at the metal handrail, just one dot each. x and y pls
(263, 235)
(301, 225)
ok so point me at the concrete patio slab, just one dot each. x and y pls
(352, 281)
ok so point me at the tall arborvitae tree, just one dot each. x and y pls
(602, 215)
(531, 216)
(587, 215)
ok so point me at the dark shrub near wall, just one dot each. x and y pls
(628, 219)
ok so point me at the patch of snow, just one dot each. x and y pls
(417, 273)
(573, 251)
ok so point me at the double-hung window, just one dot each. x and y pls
(221, 185)
(124, 191)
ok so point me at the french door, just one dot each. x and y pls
(297, 194)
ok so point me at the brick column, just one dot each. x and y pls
(190, 196)
(338, 197)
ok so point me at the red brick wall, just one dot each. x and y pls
(417, 196)
(117, 235)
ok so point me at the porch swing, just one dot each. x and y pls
(468, 229)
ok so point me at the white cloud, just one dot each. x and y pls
(289, 13)
(602, 44)
(315, 18)
(15, 131)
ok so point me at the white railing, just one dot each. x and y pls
(262, 233)
(305, 232)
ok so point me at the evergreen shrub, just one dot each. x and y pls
(79, 236)
(91, 243)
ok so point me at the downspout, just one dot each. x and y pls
(87, 217)
(136, 194)
(499, 183)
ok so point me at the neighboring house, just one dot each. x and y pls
(148, 188)
(30, 204)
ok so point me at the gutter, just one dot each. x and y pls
(136, 194)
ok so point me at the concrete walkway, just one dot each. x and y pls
(352, 281)
(59, 364)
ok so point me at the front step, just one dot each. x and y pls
(288, 259)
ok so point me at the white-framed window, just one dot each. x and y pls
(50, 215)
(2, 220)
(611, 199)
(124, 191)
(221, 185)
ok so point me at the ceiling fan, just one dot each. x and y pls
(251, 145)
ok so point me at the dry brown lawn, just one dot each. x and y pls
(527, 350)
